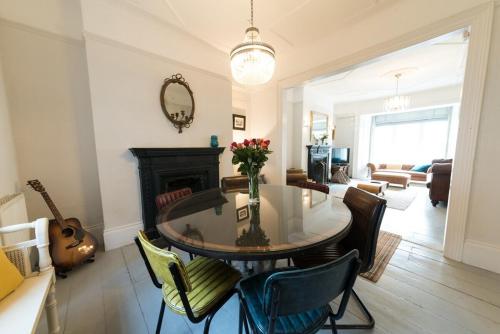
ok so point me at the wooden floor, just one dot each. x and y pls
(420, 292)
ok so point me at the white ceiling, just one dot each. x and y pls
(436, 63)
(285, 24)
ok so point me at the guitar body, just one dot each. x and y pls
(70, 245)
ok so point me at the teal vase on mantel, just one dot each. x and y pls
(214, 141)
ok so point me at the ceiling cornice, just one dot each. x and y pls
(129, 5)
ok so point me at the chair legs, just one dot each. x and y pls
(333, 324)
(242, 321)
(371, 321)
(207, 323)
(160, 317)
(51, 311)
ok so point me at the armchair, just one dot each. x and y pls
(438, 180)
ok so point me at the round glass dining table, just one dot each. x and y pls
(288, 221)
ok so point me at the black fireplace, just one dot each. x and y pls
(168, 169)
(318, 162)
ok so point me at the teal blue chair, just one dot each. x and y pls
(296, 301)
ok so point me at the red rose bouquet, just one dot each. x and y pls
(251, 155)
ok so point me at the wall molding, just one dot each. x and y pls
(116, 237)
(90, 36)
(481, 254)
(42, 32)
(131, 6)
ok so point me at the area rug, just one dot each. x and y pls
(400, 199)
(397, 198)
(386, 246)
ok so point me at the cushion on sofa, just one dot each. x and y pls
(394, 166)
(421, 168)
(10, 277)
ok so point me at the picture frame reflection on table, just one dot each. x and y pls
(242, 213)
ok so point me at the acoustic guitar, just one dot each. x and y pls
(70, 244)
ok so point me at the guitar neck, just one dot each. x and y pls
(57, 215)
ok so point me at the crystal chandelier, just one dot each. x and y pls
(252, 62)
(397, 102)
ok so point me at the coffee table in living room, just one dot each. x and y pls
(374, 187)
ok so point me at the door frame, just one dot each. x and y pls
(479, 19)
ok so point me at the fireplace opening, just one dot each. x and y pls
(197, 182)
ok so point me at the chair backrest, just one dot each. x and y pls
(158, 261)
(367, 213)
(168, 198)
(229, 183)
(296, 291)
(314, 186)
(18, 253)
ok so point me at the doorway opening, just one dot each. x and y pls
(392, 121)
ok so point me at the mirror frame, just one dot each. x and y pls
(176, 79)
(317, 114)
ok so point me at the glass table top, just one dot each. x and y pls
(287, 221)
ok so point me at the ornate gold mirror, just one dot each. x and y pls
(177, 101)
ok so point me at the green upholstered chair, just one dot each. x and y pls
(197, 290)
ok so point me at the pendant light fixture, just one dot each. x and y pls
(397, 102)
(252, 62)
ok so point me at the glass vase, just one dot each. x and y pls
(253, 186)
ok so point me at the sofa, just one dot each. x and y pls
(398, 168)
(438, 180)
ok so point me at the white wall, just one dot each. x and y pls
(9, 182)
(482, 246)
(129, 54)
(47, 86)
(61, 17)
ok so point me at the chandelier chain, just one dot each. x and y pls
(251, 13)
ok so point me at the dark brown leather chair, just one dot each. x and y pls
(295, 175)
(163, 201)
(367, 213)
(238, 183)
(314, 186)
(168, 198)
(438, 180)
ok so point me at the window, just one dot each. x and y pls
(411, 137)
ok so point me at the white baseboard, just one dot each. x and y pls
(116, 237)
(482, 255)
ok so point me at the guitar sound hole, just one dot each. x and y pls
(67, 232)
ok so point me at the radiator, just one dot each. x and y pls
(13, 211)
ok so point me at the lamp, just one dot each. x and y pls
(397, 102)
(252, 62)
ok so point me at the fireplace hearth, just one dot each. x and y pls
(168, 169)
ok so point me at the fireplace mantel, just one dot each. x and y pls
(167, 169)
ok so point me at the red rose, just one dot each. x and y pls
(267, 142)
(234, 144)
(246, 142)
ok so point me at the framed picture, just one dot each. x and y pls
(239, 122)
(242, 213)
